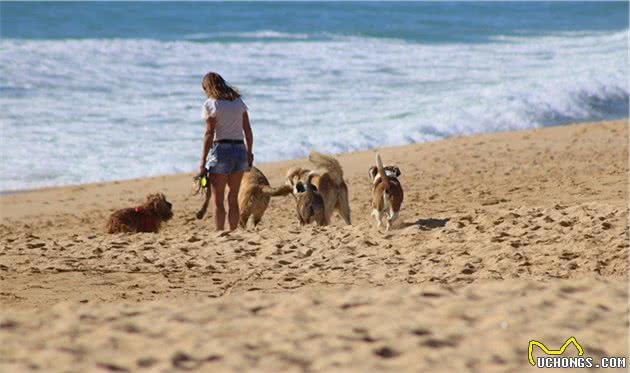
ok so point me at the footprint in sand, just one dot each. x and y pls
(386, 352)
(183, 361)
(146, 362)
(469, 269)
(193, 238)
(112, 367)
(439, 343)
(421, 332)
(567, 255)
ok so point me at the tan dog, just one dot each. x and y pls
(255, 194)
(253, 197)
(144, 218)
(387, 192)
(310, 204)
(329, 184)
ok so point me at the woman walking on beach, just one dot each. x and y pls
(227, 125)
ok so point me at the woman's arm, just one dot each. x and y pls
(207, 143)
(249, 138)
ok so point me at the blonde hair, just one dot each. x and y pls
(217, 88)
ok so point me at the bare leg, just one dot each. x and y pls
(218, 182)
(234, 183)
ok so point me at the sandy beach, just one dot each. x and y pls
(503, 238)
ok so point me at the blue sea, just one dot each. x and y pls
(103, 91)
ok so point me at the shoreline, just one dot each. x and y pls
(279, 162)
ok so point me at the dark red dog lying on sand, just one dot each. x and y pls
(145, 218)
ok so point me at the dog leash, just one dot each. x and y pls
(201, 182)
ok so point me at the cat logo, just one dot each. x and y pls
(553, 352)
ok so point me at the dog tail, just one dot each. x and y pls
(328, 163)
(277, 191)
(381, 172)
(309, 180)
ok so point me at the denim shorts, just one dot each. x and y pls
(226, 159)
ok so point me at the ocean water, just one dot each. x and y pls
(103, 91)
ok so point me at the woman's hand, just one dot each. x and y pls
(202, 170)
(250, 159)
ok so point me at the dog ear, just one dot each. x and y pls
(167, 203)
(299, 187)
(397, 170)
(372, 171)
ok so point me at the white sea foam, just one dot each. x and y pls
(262, 34)
(80, 111)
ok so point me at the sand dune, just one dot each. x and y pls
(502, 238)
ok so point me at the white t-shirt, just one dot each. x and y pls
(229, 117)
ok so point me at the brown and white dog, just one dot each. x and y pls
(310, 204)
(254, 196)
(147, 217)
(387, 192)
(328, 182)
